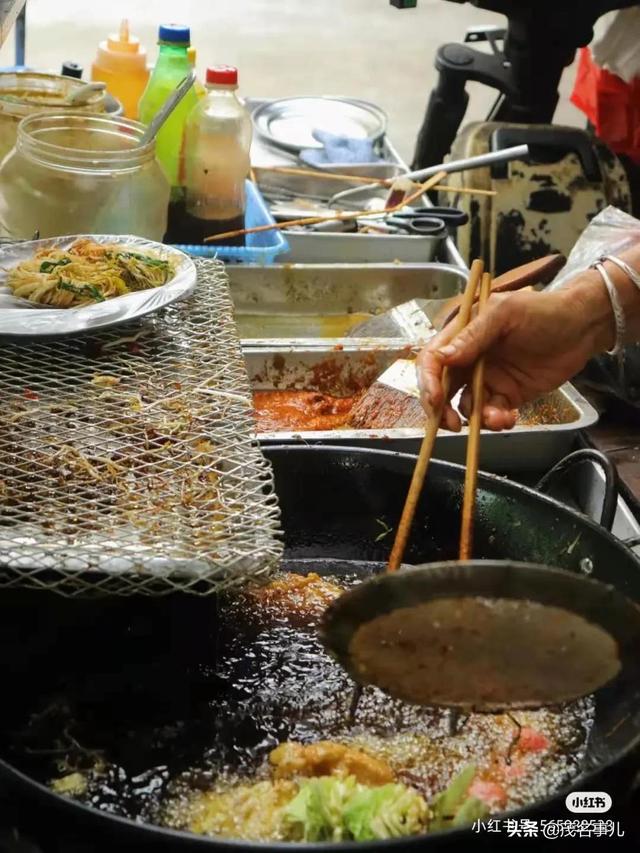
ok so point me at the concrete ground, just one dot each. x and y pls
(363, 48)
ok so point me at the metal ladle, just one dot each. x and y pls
(485, 635)
(480, 635)
(82, 94)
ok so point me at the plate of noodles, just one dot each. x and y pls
(69, 285)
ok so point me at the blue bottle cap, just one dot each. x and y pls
(174, 34)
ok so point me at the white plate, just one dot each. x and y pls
(19, 318)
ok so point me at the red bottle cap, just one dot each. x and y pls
(224, 75)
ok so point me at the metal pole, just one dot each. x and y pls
(21, 35)
(518, 152)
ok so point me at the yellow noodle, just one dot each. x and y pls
(86, 273)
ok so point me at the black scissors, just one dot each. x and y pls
(428, 221)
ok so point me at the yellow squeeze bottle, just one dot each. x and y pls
(121, 63)
(198, 88)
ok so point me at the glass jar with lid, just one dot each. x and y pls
(82, 174)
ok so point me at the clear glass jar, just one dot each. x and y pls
(26, 93)
(78, 174)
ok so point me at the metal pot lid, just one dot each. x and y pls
(289, 123)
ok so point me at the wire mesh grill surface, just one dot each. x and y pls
(128, 463)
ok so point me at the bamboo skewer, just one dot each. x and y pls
(361, 179)
(431, 431)
(337, 217)
(473, 440)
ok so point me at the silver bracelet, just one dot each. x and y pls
(616, 307)
(629, 271)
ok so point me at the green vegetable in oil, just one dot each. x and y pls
(454, 807)
(335, 809)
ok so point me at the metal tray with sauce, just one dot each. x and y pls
(546, 434)
(316, 305)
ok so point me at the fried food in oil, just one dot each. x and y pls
(296, 597)
(252, 812)
(327, 758)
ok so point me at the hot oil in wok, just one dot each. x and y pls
(142, 750)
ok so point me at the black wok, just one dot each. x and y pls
(140, 662)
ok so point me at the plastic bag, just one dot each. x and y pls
(611, 104)
(616, 46)
(610, 232)
(607, 87)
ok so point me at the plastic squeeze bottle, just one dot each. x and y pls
(217, 143)
(171, 67)
(198, 87)
(121, 63)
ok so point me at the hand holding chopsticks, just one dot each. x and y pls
(473, 439)
(431, 430)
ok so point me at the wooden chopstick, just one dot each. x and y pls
(326, 176)
(337, 217)
(361, 179)
(431, 429)
(473, 440)
(464, 190)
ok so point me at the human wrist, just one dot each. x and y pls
(587, 306)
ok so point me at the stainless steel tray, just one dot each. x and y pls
(531, 446)
(310, 247)
(313, 305)
(264, 155)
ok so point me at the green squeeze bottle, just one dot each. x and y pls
(172, 65)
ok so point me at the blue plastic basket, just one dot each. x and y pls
(261, 248)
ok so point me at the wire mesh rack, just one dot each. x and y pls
(128, 463)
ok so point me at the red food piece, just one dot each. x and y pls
(531, 740)
(28, 394)
(514, 770)
(491, 793)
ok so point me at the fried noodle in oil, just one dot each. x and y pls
(86, 273)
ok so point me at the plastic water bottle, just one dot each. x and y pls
(171, 67)
(217, 143)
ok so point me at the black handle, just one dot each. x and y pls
(445, 111)
(452, 216)
(426, 226)
(548, 145)
(588, 454)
